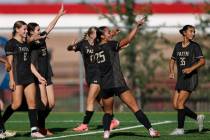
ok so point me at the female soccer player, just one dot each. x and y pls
(41, 68)
(112, 80)
(87, 48)
(21, 77)
(188, 57)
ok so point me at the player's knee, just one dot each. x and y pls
(180, 105)
(16, 105)
(109, 112)
(51, 105)
(135, 108)
(90, 101)
(31, 104)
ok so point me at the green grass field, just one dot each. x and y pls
(62, 123)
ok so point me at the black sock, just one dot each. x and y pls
(190, 113)
(142, 118)
(112, 116)
(41, 118)
(181, 118)
(32, 114)
(47, 111)
(7, 113)
(87, 117)
(107, 121)
(2, 129)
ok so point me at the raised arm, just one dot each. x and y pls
(132, 34)
(114, 32)
(35, 38)
(54, 21)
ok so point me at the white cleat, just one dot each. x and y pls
(9, 133)
(200, 120)
(37, 135)
(106, 134)
(2, 136)
(177, 131)
(154, 133)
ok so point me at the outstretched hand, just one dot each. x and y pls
(141, 21)
(72, 46)
(114, 32)
(62, 10)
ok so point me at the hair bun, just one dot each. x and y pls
(181, 31)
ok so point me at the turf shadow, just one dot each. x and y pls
(98, 127)
(55, 130)
(128, 134)
(196, 131)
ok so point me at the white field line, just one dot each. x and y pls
(97, 132)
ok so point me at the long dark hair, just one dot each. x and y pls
(185, 28)
(17, 25)
(31, 27)
(99, 33)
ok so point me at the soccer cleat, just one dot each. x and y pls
(49, 133)
(45, 132)
(114, 124)
(9, 133)
(106, 134)
(177, 131)
(81, 128)
(2, 136)
(37, 135)
(154, 133)
(200, 120)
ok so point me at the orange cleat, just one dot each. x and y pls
(81, 128)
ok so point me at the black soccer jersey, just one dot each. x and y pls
(88, 53)
(21, 61)
(109, 63)
(40, 57)
(185, 58)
